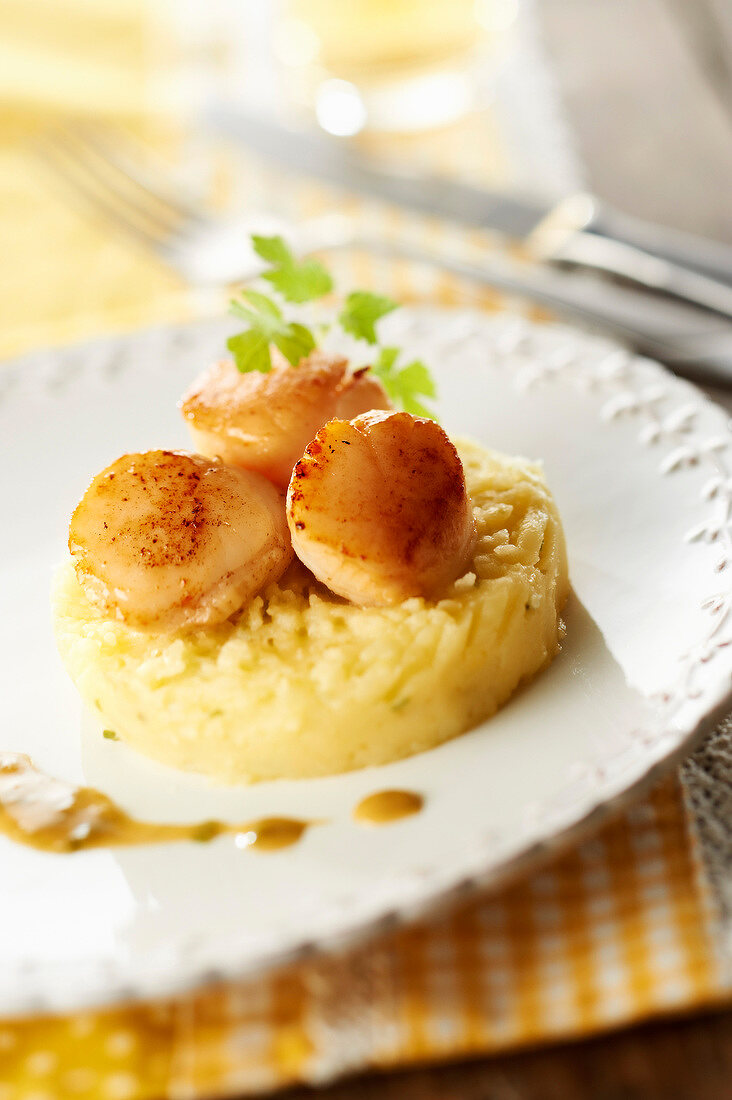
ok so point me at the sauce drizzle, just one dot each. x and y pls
(54, 816)
(384, 807)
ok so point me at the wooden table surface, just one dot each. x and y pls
(677, 1060)
(647, 85)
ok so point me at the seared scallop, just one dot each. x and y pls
(378, 509)
(263, 422)
(169, 540)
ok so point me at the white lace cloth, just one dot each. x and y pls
(707, 779)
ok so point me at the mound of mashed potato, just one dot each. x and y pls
(302, 683)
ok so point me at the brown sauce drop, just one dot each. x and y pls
(385, 806)
(271, 833)
(45, 813)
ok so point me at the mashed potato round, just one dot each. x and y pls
(302, 683)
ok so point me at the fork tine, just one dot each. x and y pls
(130, 164)
(108, 178)
(81, 183)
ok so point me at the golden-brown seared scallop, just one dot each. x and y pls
(378, 509)
(264, 422)
(173, 541)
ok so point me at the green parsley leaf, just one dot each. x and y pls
(295, 343)
(110, 735)
(250, 351)
(266, 326)
(272, 249)
(296, 280)
(259, 310)
(303, 283)
(384, 365)
(361, 312)
(407, 384)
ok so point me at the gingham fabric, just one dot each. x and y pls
(620, 929)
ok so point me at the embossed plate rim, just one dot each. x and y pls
(626, 387)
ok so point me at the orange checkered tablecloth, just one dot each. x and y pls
(620, 929)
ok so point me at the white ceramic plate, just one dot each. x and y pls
(642, 469)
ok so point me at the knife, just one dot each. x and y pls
(336, 161)
(691, 341)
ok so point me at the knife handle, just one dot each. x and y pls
(690, 341)
(710, 258)
(651, 272)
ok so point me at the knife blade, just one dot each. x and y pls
(320, 156)
(332, 160)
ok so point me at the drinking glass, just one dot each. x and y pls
(389, 65)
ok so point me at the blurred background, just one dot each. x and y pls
(632, 98)
(535, 99)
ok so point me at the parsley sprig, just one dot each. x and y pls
(267, 325)
(405, 385)
(301, 281)
(361, 312)
(295, 280)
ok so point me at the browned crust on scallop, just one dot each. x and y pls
(149, 539)
(263, 422)
(420, 512)
(224, 400)
(180, 519)
(409, 516)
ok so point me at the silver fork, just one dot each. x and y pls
(209, 249)
(204, 248)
